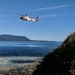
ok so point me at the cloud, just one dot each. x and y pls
(56, 7)
(3, 15)
(46, 16)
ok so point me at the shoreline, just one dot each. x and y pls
(18, 61)
(24, 70)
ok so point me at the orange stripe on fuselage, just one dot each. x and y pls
(24, 17)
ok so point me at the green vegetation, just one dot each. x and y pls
(59, 62)
(7, 37)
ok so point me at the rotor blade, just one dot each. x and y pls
(26, 14)
(20, 14)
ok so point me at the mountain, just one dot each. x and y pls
(61, 61)
(6, 37)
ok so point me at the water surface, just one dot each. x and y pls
(23, 53)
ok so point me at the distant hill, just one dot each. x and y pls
(61, 61)
(6, 37)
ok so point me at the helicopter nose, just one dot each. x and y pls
(20, 17)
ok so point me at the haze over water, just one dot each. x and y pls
(23, 53)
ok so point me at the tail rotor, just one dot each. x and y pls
(36, 18)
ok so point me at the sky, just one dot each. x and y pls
(56, 18)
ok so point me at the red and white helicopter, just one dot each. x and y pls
(27, 18)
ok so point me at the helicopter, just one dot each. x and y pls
(27, 18)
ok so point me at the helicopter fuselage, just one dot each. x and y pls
(27, 18)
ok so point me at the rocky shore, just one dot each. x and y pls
(25, 70)
(59, 62)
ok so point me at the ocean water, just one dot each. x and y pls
(20, 53)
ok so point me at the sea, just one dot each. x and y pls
(22, 53)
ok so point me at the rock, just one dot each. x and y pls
(25, 70)
(61, 61)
